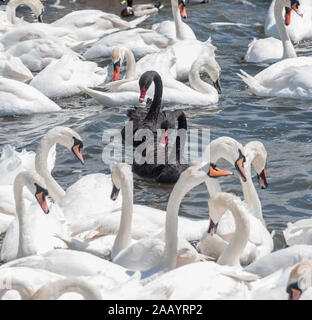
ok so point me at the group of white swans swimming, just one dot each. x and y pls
(92, 240)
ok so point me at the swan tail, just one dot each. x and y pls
(137, 21)
(251, 82)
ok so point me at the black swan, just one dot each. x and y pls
(174, 164)
(143, 118)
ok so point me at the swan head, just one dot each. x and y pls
(257, 154)
(201, 172)
(218, 204)
(121, 172)
(289, 6)
(213, 69)
(300, 279)
(36, 7)
(230, 150)
(145, 82)
(68, 138)
(36, 185)
(182, 7)
(118, 56)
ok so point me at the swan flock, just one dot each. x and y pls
(93, 239)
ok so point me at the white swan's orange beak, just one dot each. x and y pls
(142, 94)
(215, 172)
(295, 6)
(40, 195)
(287, 16)
(76, 149)
(294, 292)
(239, 165)
(116, 70)
(262, 179)
(182, 10)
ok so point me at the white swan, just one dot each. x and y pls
(177, 29)
(155, 254)
(200, 93)
(56, 289)
(210, 280)
(27, 244)
(271, 49)
(140, 41)
(24, 282)
(62, 78)
(13, 68)
(287, 78)
(36, 54)
(144, 41)
(280, 259)
(35, 5)
(299, 28)
(260, 242)
(17, 98)
(299, 232)
(94, 24)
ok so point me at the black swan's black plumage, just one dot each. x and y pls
(147, 118)
(169, 172)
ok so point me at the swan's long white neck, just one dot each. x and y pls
(230, 256)
(23, 288)
(123, 238)
(177, 20)
(289, 51)
(46, 144)
(25, 242)
(11, 9)
(131, 69)
(54, 290)
(196, 82)
(250, 193)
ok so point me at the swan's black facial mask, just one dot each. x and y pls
(212, 229)
(115, 193)
(76, 149)
(294, 292)
(41, 195)
(217, 85)
(262, 180)
(239, 165)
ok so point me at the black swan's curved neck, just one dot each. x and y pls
(154, 109)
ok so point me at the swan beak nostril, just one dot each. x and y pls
(217, 85)
(115, 193)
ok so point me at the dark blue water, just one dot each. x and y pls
(284, 126)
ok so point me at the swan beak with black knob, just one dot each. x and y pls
(182, 8)
(217, 85)
(262, 179)
(40, 17)
(115, 193)
(295, 6)
(239, 165)
(76, 149)
(116, 70)
(294, 292)
(41, 195)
